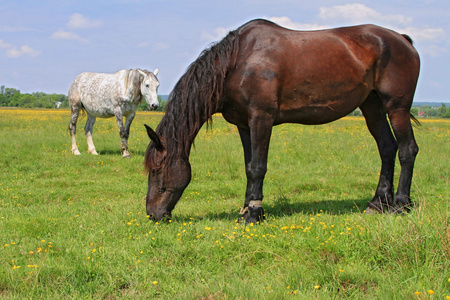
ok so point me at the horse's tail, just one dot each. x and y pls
(83, 112)
(198, 93)
(415, 120)
(408, 38)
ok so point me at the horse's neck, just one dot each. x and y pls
(133, 88)
(181, 137)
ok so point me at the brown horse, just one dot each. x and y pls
(262, 75)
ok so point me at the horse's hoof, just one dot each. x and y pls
(372, 211)
(401, 209)
(401, 205)
(254, 215)
(76, 152)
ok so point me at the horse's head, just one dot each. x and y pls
(167, 178)
(149, 88)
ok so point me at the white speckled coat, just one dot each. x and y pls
(107, 95)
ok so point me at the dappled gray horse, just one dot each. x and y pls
(107, 95)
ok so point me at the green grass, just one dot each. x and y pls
(75, 227)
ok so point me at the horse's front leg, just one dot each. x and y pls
(123, 136)
(73, 127)
(255, 142)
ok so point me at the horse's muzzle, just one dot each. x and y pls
(153, 106)
(166, 216)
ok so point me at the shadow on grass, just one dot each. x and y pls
(119, 153)
(286, 208)
(333, 207)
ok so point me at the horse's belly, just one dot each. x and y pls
(320, 105)
(100, 111)
(311, 115)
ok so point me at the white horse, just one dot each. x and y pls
(107, 95)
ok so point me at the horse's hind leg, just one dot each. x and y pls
(73, 128)
(378, 126)
(255, 141)
(407, 151)
(125, 135)
(88, 130)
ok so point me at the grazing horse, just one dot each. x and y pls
(107, 95)
(262, 75)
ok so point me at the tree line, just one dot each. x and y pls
(14, 98)
(426, 111)
(10, 97)
(423, 111)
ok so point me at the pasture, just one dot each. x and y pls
(75, 226)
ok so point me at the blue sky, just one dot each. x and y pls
(45, 44)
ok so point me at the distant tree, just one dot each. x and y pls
(27, 101)
(11, 97)
(442, 110)
(2, 96)
(428, 111)
(356, 112)
(143, 106)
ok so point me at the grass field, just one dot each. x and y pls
(75, 227)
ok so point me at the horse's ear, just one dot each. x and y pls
(142, 72)
(154, 137)
(155, 72)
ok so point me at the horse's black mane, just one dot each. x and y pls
(196, 96)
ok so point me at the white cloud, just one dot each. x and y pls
(218, 34)
(4, 45)
(424, 34)
(21, 51)
(354, 14)
(433, 50)
(288, 23)
(67, 35)
(78, 21)
(359, 13)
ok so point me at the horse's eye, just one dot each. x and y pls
(162, 190)
(147, 85)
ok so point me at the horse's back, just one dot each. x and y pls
(366, 44)
(98, 92)
(315, 77)
(90, 81)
